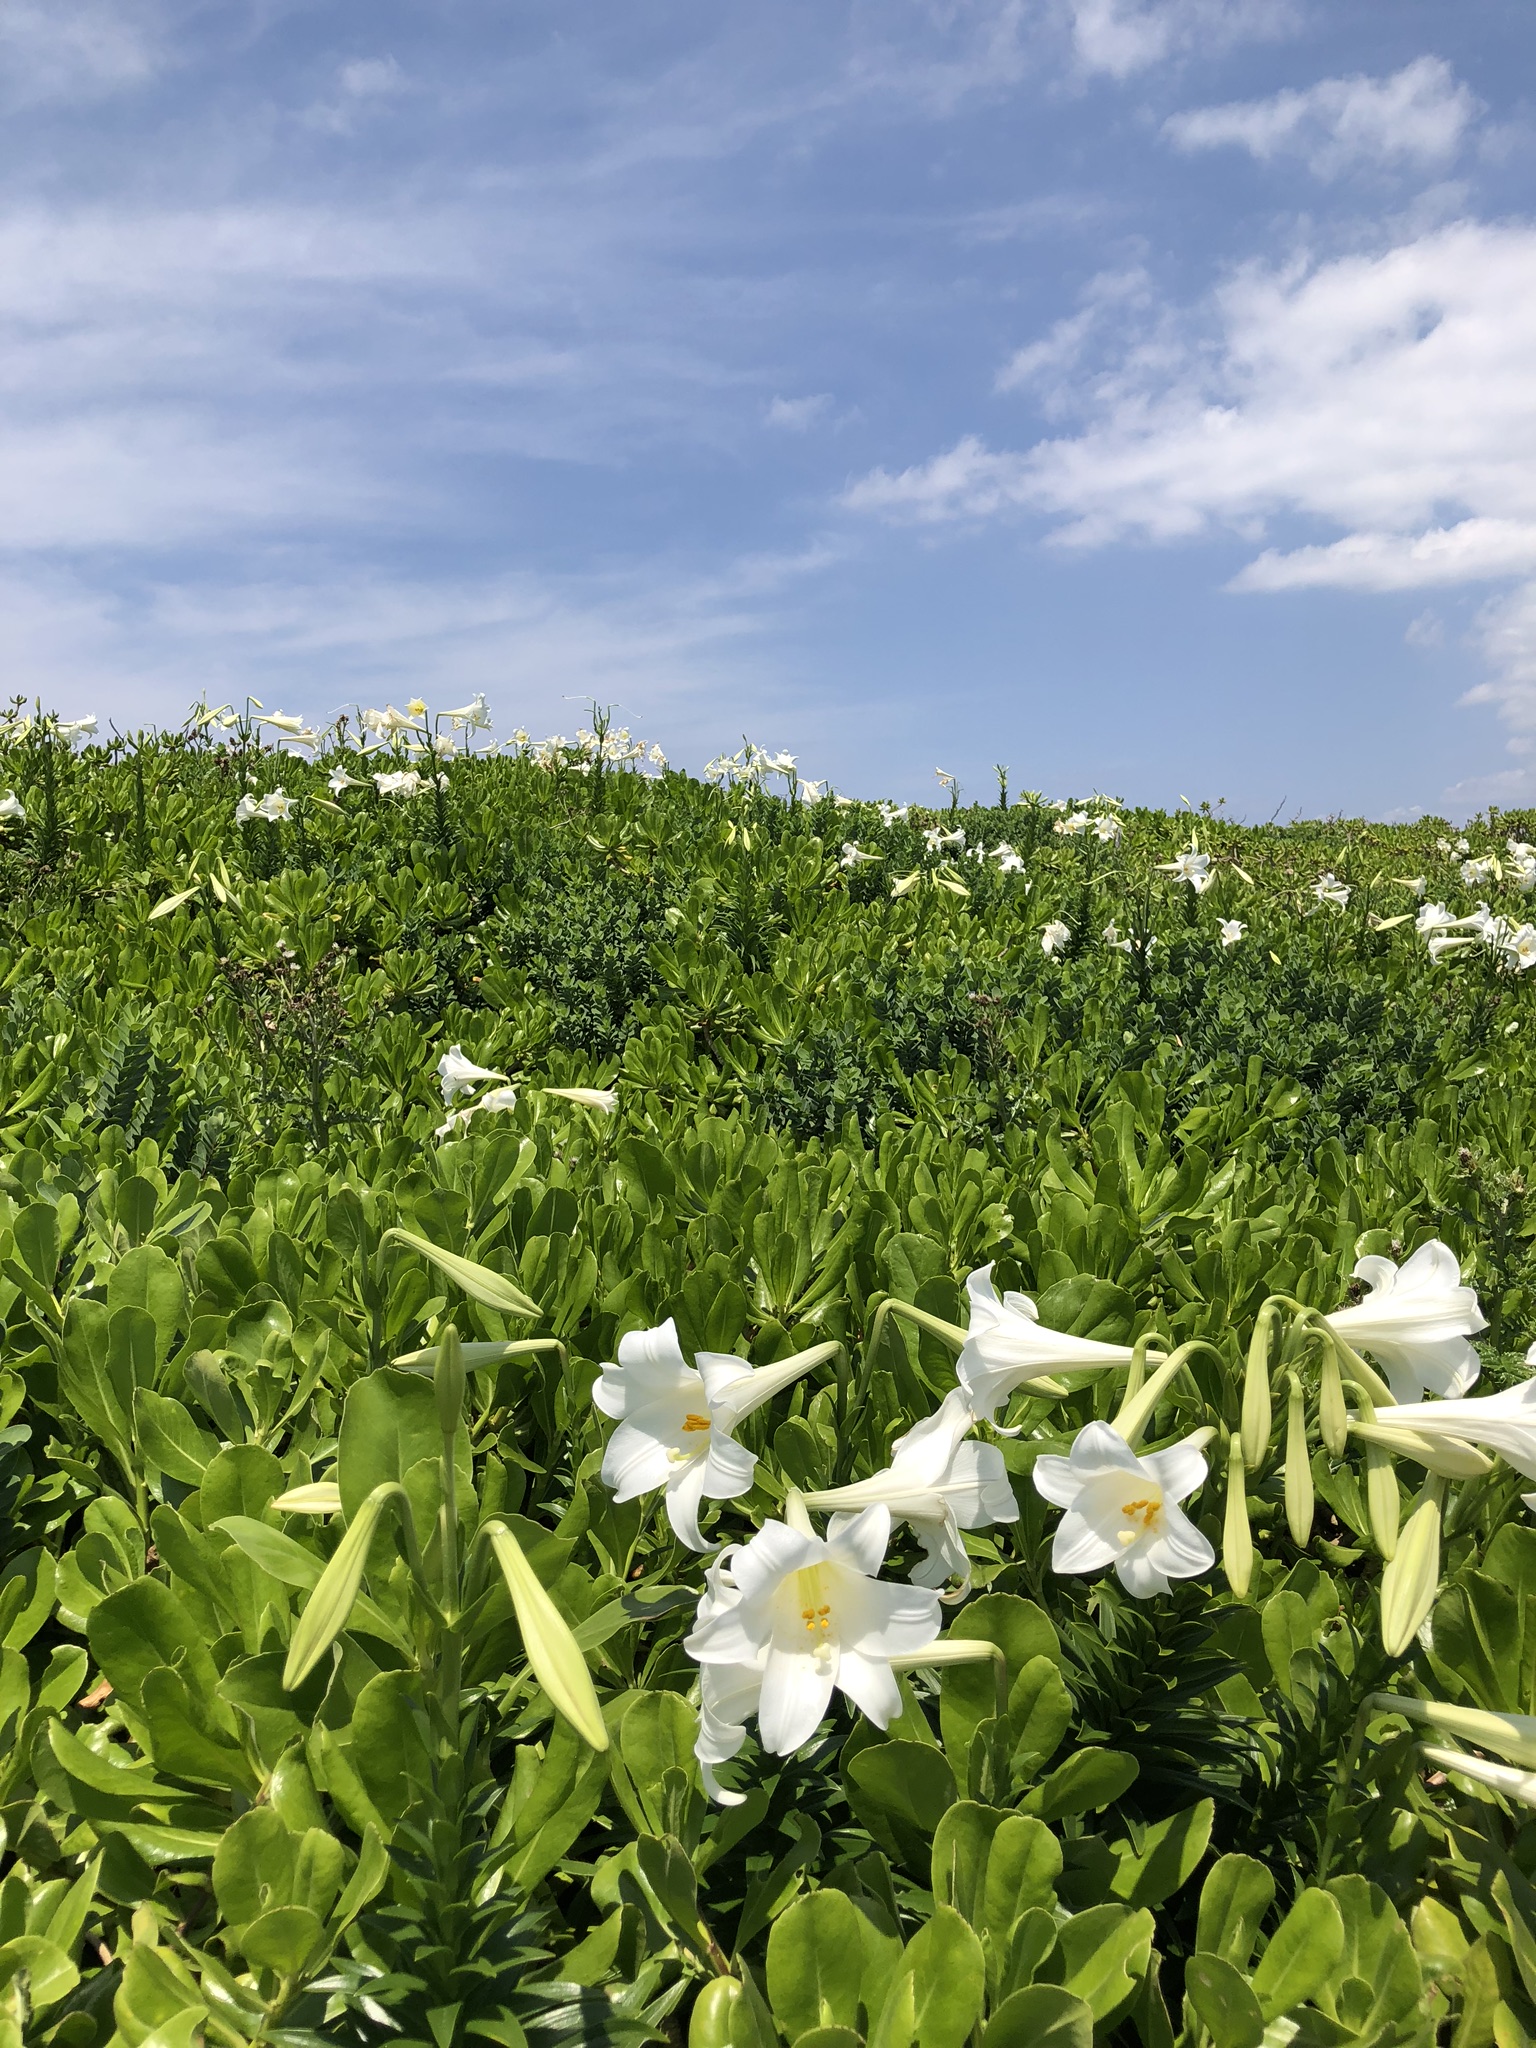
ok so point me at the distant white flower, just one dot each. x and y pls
(1434, 917)
(1442, 944)
(474, 714)
(12, 809)
(1074, 826)
(1415, 884)
(245, 810)
(1520, 947)
(1054, 937)
(275, 808)
(1329, 889)
(1112, 938)
(493, 1098)
(1415, 1322)
(457, 1075)
(677, 1423)
(1522, 873)
(1123, 1510)
(852, 856)
(811, 791)
(338, 780)
(1193, 867)
(72, 728)
(1232, 929)
(941, 1484)
(1108, 830)
(892, 814)
(1475, 872)
(1006, 1344)
(1520, 849)
(590, 1098)
(935, 837)
(399, 782)
(793, 1618)
(657, 758)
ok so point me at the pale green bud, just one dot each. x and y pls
(1236, 1537)
(1299, 1495)
(1412, 1577)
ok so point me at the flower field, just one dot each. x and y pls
(651, 1409)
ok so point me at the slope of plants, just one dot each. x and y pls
(638, 1408)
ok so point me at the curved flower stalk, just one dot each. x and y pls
(1007, 1344)
(940, 1483)
(677, 1421)
(1123, 1510)
(790, 1618)
(1415, 1322)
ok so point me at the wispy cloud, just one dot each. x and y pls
(1419, 116)
(1122, 37)
(76, 49)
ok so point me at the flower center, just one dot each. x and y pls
(1142, 1518)
(812, 1604)
(694, 1422)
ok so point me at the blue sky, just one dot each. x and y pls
(1141, 393)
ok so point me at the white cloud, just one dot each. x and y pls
(1389, 394)
(371, 78)
(1427, 631)
(798, 415)
(1121, 37)
(1418, 116)
(71, 49)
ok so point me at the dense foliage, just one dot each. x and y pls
(294, 1584)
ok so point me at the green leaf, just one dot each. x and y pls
(962, 1848)
(1104, 1953)
(1221, 1996)
(253, 1866)
(285, 1940)
(49, 1972)
(146, 1278)
(1236, 1895)
(945, 1963)
(170, 1439)
(1303, 1954)
(388, 1428)
(142, 1626)
(1039, 1715)
(815, 1963)
(1022, 1868)
(901, 1791)
(1040, 2016)
(1170, 1851)
(968, 1692)
(1088, 1780)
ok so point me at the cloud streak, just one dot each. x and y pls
(1418, 117)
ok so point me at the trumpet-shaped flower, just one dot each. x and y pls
(493, 1098)
(1434, 917)
(1107, 830)
(72, 728)
(399, 782)
(1415, 1322)
(604, 1099)
(476, 713)
(1507, 1779)
(1519, 947)
(1415, 884)
(789, 1619)
(1232, 930)
(1193, 867)
(852, 855)
(1504, 1422)
(940, 1484)
(1006, 1344)
(457, 1075)
(245, 809)
(1329, 889)
(12, 809)
(1123, 1510)
(1475, 872)
(1054, 937)
(338, 780)
(275, 808)
(677, 1423)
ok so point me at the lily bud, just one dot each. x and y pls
(448, 1383)
(1332, 1420)
(1382, 1500)
(1412, 1577)
(1299, 1495)
(1257, 1414)
(1512, 1735)
(1236, 1539)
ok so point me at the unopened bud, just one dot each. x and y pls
(1236, 1538)
(1412, 1577)
(1257, 1413)
(448, 1381)
(1332, 1420)
(1299, 1496)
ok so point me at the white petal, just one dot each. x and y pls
(1078, 1546)
(1098, 1450)
(634, 1463)
(720, 1372)
(871, 1684)
(728, 1468)
(1180, 1468)
(685, 1489)
(772, 1553)
(1379, 1274)
(1056, 1481)
(1138, 1574)
(1179, 1549)
(653, 1355)
(796, 1693)
(863, 1543)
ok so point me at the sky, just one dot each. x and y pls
(1140, 394)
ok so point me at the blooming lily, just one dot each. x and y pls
(457, 1074)
(604, 1099)
(338, 780)
(1329, 889)
(275, 808)
(1122, 1509)
(790, 1618)
(1415, 1322)
(493, 1098)
(1006, 1344)
(1193, 867)
(1054, 937)
(1232, 929)
(941, 1484)
(677, 1422)
(1505, 1422)
(12, 809)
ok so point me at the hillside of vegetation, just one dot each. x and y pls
(372, 1669)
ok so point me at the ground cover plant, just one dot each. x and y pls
(640, 1408)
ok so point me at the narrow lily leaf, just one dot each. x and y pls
(552, 1651)
(332, 1601)
(169, 903)
(477, 1281)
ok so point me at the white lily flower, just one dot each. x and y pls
(795, 1617)
(1054, 937)
(1232, 930)
(1414, 884)
(1192, 867)
(852, 855)
(892, 814)
(1442, 944)
(1074, 826)
(936, 836)
(1107, 830)
(457, 1075)
(605, 1099)
(245, 810)
(1508, 1779)
(938, 1482)
(1518, 944)
(1504, 1422)
(12, 809)
(475, 713)
(70, 728)
(493, 1098)
(1434, 917)
(677, 1423)
(1475, 872)
(338, 780)
(1415, 1322)
(400, 782)
(1329, 889)
(275, 808)
(1006, 1344)
(1123, 1510)
(1523, 873)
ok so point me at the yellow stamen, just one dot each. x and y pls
(1144, 1511)
(694, 1422)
